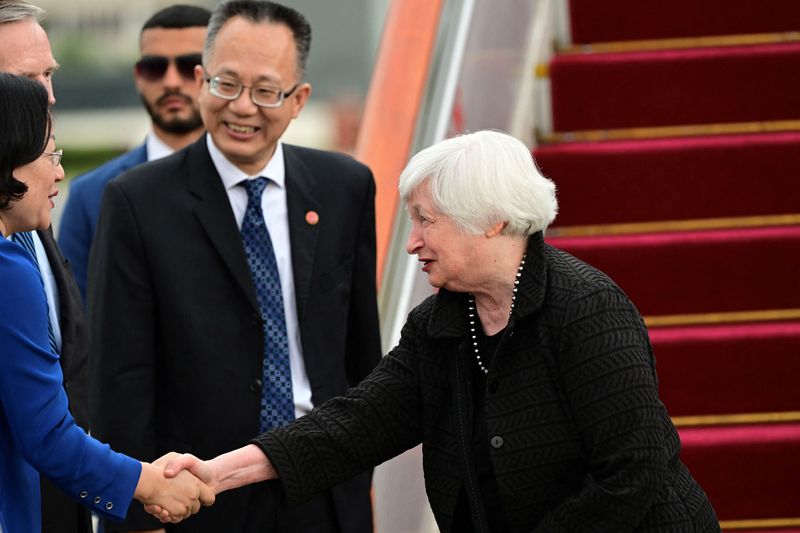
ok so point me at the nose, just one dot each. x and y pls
(48, 84)
(243, 104)
(59, 173)
(414, 241)
(172, 78)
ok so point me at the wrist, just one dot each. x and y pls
(146, 488)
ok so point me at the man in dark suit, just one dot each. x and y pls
(170, 44)
(25, 51)
(188, 261)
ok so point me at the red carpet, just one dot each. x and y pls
(628, 20)
(699, 271)
(676, 87)
(750, 472)
(728, 369)
(747, 471)
(674, 179)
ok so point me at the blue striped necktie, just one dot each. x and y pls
(25, 239)
(277, 402)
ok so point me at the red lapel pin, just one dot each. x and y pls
(312, 218)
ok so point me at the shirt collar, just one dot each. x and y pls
(156, 148)
(232, 176)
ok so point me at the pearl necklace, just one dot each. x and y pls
(471, 306)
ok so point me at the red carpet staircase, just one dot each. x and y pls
(676, 154)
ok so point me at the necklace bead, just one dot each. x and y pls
(472, 311)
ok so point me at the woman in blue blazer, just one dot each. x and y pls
(37, 432)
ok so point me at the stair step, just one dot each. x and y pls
(765, 528)
(699, 271)
(661, 132)
(748, 472)
(673, 87)
(681, 42)
(728, 369)
(617, 182)
(621, 20)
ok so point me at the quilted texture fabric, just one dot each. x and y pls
(579, 438)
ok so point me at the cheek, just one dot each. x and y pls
(207, 114)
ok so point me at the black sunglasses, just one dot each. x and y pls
(153, 68)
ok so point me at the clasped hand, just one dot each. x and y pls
(173, 498)
(230, 470)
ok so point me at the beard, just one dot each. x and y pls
(175, 125)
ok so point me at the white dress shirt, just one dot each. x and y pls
(276, 217)
(156, 148)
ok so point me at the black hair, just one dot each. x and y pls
(262, 11)
(25, 127)
(179, 16)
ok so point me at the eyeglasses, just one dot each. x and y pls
(153, 68)
(54, 157)
(261, 95)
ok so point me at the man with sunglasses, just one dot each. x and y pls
(233, 283)
(171, 44)
(25, 51)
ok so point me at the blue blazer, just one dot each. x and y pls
(37, 433)
(82, 210)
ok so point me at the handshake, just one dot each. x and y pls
(174, 487)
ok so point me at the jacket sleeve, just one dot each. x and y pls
(373, 422)
(36, 408)
(363, 347)
(608, 378)
(122, 332)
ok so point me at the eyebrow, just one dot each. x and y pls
(263, 77)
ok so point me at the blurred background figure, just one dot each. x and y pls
(170, 46)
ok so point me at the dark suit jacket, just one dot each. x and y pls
(60, 514)
(82, 209)
(176, 331)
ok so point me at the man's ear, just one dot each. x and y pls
(299, 98)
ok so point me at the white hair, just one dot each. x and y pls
(15, 11)
(480, 179)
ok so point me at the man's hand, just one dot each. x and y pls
(177, 498)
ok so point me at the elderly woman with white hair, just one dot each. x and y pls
(528, 378)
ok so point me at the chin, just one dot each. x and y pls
(436, 282)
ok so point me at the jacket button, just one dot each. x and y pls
(97, 499)
(493, 385)
(84, 494)
(256, 385)
(109, 506)
(496, 442)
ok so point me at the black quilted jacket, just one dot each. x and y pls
(580, 440)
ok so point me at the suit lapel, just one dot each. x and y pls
(301, 199)
(213, 210)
